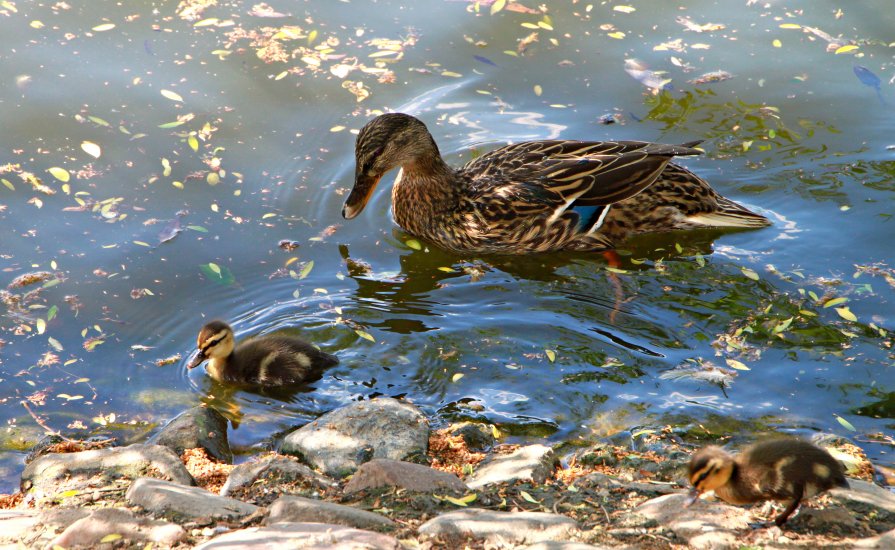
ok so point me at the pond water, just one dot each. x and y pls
(153, 157)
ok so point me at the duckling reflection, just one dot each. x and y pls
(786, 469)
(270, 361)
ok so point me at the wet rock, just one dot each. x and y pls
(175, 501)
(382, 472)
(16, 525)
(90, 531)
(294, 509)
(307, 536)
(534, 462)
(279, 468)
(884, 541)
(863, 495)
(338, 442)
(58, 472)
(198, 427)
(479, 438)
(506, 526)
(600, 454)
(563, 545)
(704, 525)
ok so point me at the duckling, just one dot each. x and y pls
(785, 469)
(265, 361)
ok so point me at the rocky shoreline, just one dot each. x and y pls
(373, 475)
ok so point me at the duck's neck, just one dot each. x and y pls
(216, 366)
(424, 191)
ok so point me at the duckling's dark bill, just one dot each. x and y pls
(197, 360)
(360, 195)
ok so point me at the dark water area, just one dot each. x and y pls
(153, 157)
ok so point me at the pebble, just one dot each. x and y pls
(534, 462)
(508, 526)
(382, 472)
(168, 499)
(340, 441)
(296, 509)
(283, 468)
(307, 536)
(91, 530)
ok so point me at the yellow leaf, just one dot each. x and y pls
(845, 423)
(111, 537)
(451, 74)
(528, 497)
(60, 174)
(551, 355)
(91, 149)
(173, 96)
(846, 314)
(734, 364)
(749, 273)
(193, 143)
(337, 128)
(457, 376)
(104, 27)
(497, 6)
(846, 49)
(213, 178)
(455, 501)
(777, 44)
(538, 90)
(618, 35)
(790, 26)
(41, 326)
(214, 267)
(365, 335)
(835, 302)
(414, 244)
(141, 243)
(306, 270)
(624, 9)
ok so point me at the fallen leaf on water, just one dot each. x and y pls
(846, 314)
(60, 174)
(91, 149)
(365, 335)
(734, 364)
(173, 96)
(551, 355)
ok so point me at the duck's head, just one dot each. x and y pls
(710, 468)
(215, 342)
(386, 142)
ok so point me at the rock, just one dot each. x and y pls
(507, 526)
(176, 501)
(886, 540)
(279, 468)
(307, 536)
(703, 525)
(382, 472)
(562, 545)
(91, 530)
(198, 427)
(294, 509)
(862, 494)
(55, 473)
(479, 438)
(15, 525)
(598, 480)
(534, 462)
(340, 441)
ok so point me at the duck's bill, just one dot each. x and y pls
(197, 360)
(692, 497)
(360, 195)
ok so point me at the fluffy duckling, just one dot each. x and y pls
(785, 469)
(265, 361)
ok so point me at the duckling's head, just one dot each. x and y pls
(387, 141)
(215, 342)
(710, 468)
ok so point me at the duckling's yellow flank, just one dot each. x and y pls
(536, 196)
(265, 361)
(786, 469)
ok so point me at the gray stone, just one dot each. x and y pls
(89, 531)
(514, 527)
(864, 493)
(54, 473)
(199, 427)
(307, 536)
(281, 468)
(381, 472)
(563, 545)
(884, 541)
(340, 441)
(478, 437)
(703, 525)
(180, 502)
(534, 462)
(15, 525)
(295, 509)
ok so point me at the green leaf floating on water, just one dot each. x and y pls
(414, 244)
(365, 335)
(845, 423)
(218, 273)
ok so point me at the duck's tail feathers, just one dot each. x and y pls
(729, 214)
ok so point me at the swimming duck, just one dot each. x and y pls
(536, 196)
(785, 469)
(265, 360)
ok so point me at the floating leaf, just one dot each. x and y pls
(198, 228)
(338, 128)
(790, 26)
(777, 44)
(551, 355)
(749, 273)
(174, 124)
(611, 269)
(173, 96)
(782, 325)
(41, 326)
(306, 270)
(142, 243)
(538, 90)
(104, 27)
(8, 184)
(193, 143)
(618, 35)
(60, 174)
(846, 314)
(457, 376)
(91, 149)
(734, 364)
(365, 335)
(846, 49)
(213, 178)
(217, 273)
(414, 244)
(51, 313)
(55, 343)
(624, 9)
(447, 269)
(497, 6)
(97, 120)
(845, 423)
(832, 302)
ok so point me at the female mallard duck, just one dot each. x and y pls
(265, 361)
(780, 469)
(536, 196)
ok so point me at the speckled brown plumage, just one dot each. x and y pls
(536, 196)
(265, 360)
(785, 469)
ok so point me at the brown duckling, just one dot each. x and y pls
(265, 360)
(786, 469)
